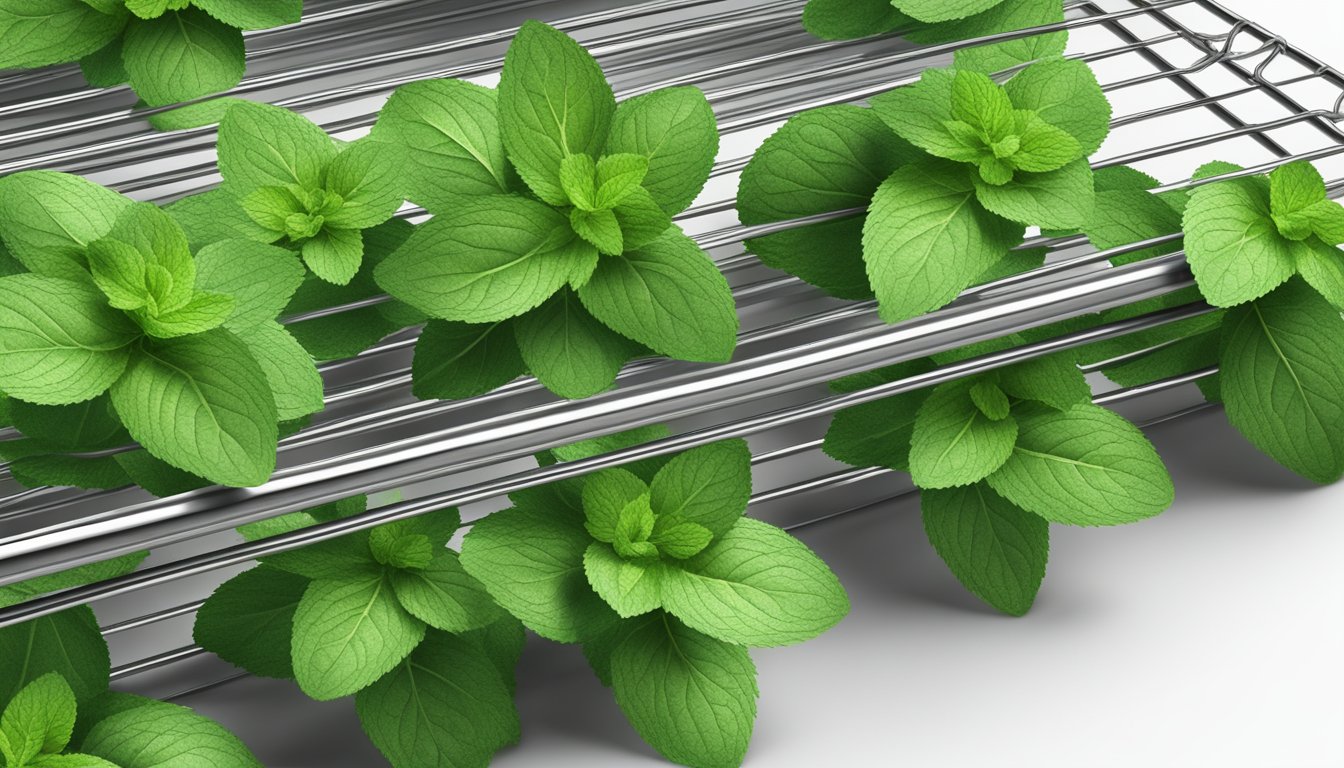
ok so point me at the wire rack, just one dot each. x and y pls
(1190, 82)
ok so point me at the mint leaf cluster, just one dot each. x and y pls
(997, 457)
(657, 573)
(387, 615)
(952, 170)
(552, 248)
(169, 50)
(115, 323)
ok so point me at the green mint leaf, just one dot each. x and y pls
(503, 643)
(553, 102)
(70, 761)
(630, 587)
(1122, 217)
(245, 14)
(261, 279)
(822, 160)
(53, 32)
(1064, 93)
(755, 585)
(449, 130)
(875, 434)
(998, 57)
(348, 633)
(691, 697)
(667, 296)
(446, 705)
(933, 11)
(953, 443)
(40, 719)
(850, 19)
(119, 272)
(982, 104)
(13, 594)
(165, 734)
(1083, 466)
(1054, 380)
(920, 114)
(674, 130)
(1322, 266)
(578, 179)
(59, 341)
(198, 115)
(334, 255)
(457, 360)
(1295, 187)
(203, 312)
(1177, 356)
(640, 219)
(921, 213)
(1059, 199)
(408, 551)
(1327, 221)
(607, 443)
(605, 494)
(444, 596)
(97, 473)
(568, 350)
(201, 403)
(335, 559)
(709, 486)
(294, 380)
(1282, 378)
(49, 218)
(153, 9)
(170, 272)
(618, 175)
(67, 643)
(1232, 243)
(209, 217)
(634, 525)
(248, 620)
(678, 538)
(995, 549)
(368, 176)
(484, 260)
(271, 208)
(599, 228)
(531, 562)
(989, 400)
(265, 146)
(157, 476)
(1042, 146)
(182, 55)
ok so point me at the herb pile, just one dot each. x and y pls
(169, 50)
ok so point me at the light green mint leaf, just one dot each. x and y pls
(445, 596)
(989, 399)
(568, 350)
(640, 219)
(618, 175)
(245, 14)
(679, 538)
(982, 104)
(48, 219)
(1322, 266)
(1232, 243)
(209, 217)
(1059, 199)
(578, 179)
(531, 562)
(1214, 168)
(182, 55)
(293, 377)
(67, 643)
(709, 486)
(271, 208)
(631, 588)
(152, 9)
(1122, 217)
(1054, 380)
(335, 559)
(1327, 221)
(39, 719)
(203, 312)
(919, 215)
(201, 403)
(13, 594)
(248, 620)
(599, 228)
(668, 296)
(849, 19)
(485, 260)
(197, 115)
(446, 705)
(260, 278)
(449, 130)
(553, 102)
(1042, 146)
(875, 434)
(369, 177)
(1295, 187)
(920, 113)
(634, 525)
(691, 697)
(998, 57)
(1083, 466)
(170, 272)
(1064, 93)
(607, 443)
(1282, 378)
(53, 32)
(438, 526)
(119, 272)
(60, 342)
(674, 130)
(605, 494)
(757, 586)
(995, 549)
(348, 633)
(954, 444)
(104, 68)
(933, 11)
(334, 255)
(265, 146)
(408, 551)
(458, 360)
(163, 734)
(822, 160)
(1178, 356)
(70, 761)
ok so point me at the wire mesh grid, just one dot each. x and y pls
(1190, 82)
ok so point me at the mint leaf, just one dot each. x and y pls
(709, 486)
(634, 526)
(605, 495)
(53, 32)
(261, 278)
(201, 403)
(444, 596)
(617, 176)
(989, 400)
(170, 272)
(931, 11)
(920, 114)
(458, 360)
(674, 129)
(568, 350)
(67, 643)
(201, 313)
(104, 68)
(39, 720)
(48, 219)
(59, 341)
(1007, 16)
(1232, 243)
(1322, 266)
(849, 19)
(1295, 187)
(368, 176)
(1042, 146)
(450, 132)
(1282, 378)
(981, 104)
(182, 55)
(921, 213)
(445, 705)
(641, 221)
(691, 697)
(1054, 380)
(13, 594)
(1059, 199)
(578, 179)
(119, 271)
(553, 102)
(293, 378)
(678, 538)
(995, 549)
(531, 562)
(244, 14)
(209, 217)
(165, 734)
(484, 260)
(875, 434)
(97, 473)
(667, 296)
(599, 228)
(261, 146)
(348, 633)
(630, 587)
(755, 585)
(1065, 94)
(953, 443)
(248, 620)
(1083, 466)
(334, 254)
